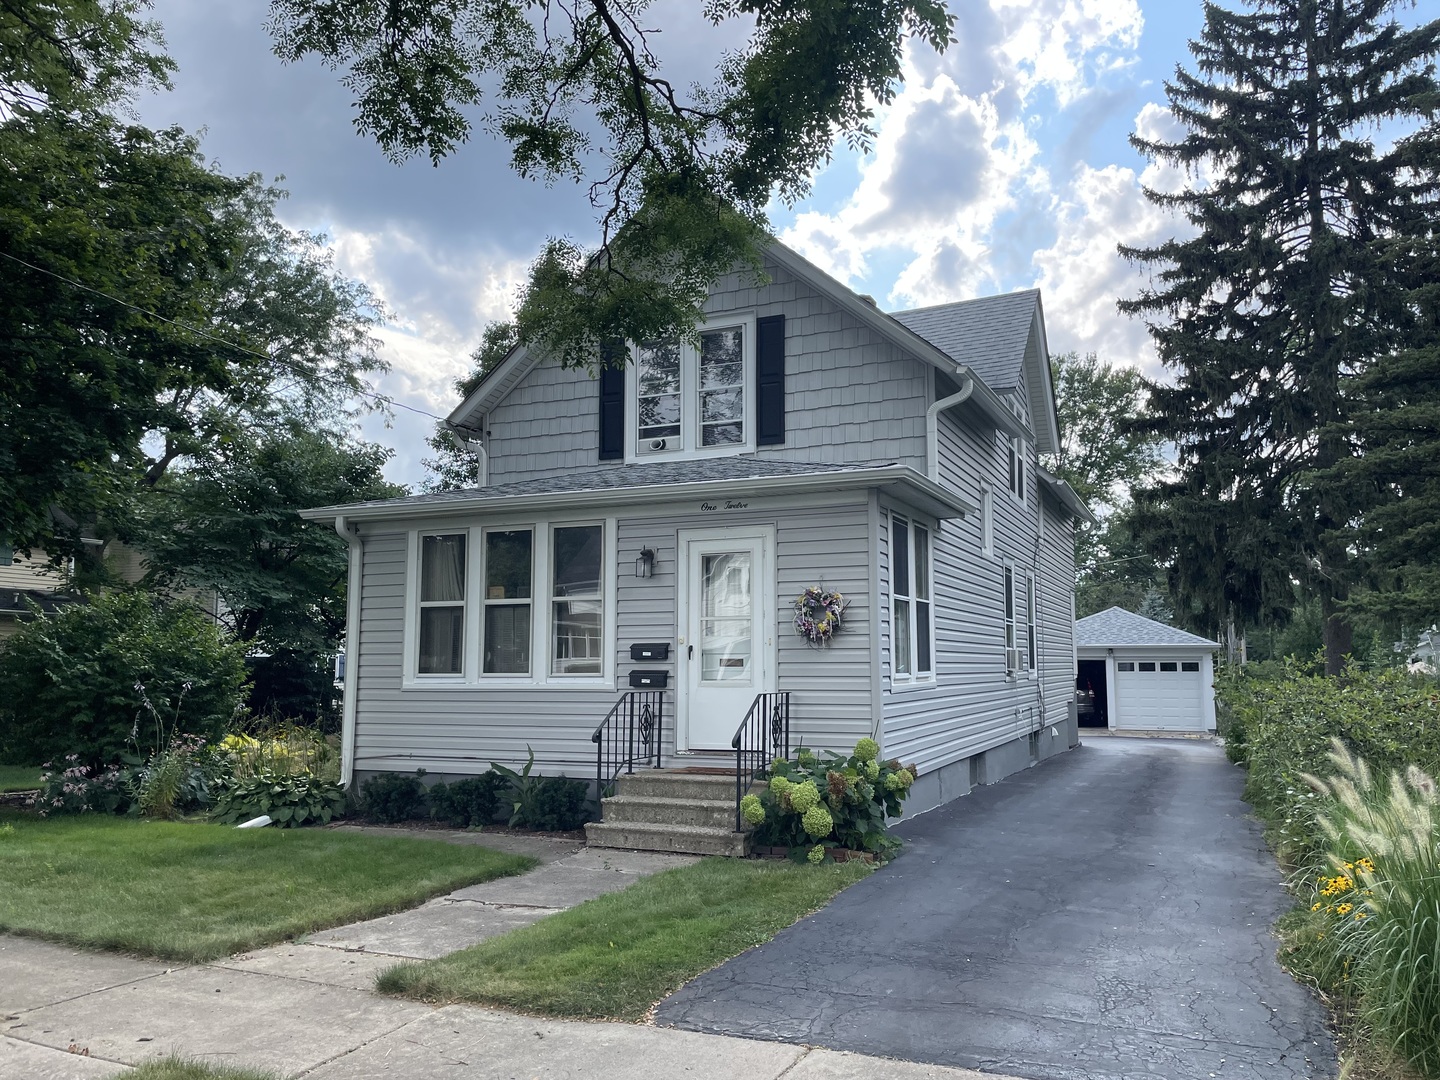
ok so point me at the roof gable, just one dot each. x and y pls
(1115, 627)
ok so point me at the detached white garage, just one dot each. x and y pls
(1138, 674)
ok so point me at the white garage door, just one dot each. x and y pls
(1161, 695)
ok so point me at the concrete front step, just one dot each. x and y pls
(687, 839)
(665, 784)
(654, 810)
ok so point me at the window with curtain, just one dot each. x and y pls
(577, 600)
(912, 657)
(509, 561)
(442, 605)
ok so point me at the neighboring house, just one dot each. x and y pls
(653, 526)
(1138, 674)
(27, 584)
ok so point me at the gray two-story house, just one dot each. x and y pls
(637, 540)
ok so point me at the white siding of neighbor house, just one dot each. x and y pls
(31, 573)
(973, 705)
(850, 396)
(456, 730)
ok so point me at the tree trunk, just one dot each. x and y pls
(1339, 635)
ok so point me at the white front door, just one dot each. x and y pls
(726, 636)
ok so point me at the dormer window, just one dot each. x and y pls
(691, 398)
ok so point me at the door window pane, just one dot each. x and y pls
(726, 623)
(577, 625)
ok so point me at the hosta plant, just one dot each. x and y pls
(289, 801)
(827, 800)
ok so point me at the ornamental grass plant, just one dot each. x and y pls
(1370, 932)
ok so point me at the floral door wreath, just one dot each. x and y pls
(818, 614)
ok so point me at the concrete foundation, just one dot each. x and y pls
(950, 782)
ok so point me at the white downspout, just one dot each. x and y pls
(476, 447)
(932, 421)
(349, 703)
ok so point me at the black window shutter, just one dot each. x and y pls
(770, 380)
(612, 401)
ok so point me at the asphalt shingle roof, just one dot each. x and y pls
(1118, 627)
(644, 474)
(987, 335)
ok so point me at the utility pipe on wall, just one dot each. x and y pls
(932, 421)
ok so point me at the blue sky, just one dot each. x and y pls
(1002, 164)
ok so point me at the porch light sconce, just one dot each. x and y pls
(645, 563)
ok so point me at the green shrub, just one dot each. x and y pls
(391, 798)
(829, 800)
(467, 803)
(1286, 719)
(290, 801)
(183, 777)
(121, 674)
(559, 805)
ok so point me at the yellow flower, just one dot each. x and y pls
(1314, 907)
(1344, 909)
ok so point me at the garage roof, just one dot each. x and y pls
(1115, 627)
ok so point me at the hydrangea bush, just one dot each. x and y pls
(826, 800)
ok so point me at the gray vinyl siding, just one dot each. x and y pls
(454, 730)
(973, 705)
(849, 395)
(1057, 593)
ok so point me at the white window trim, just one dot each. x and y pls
(690, 399)
(541, 610)
(987, 521)
(912, 680)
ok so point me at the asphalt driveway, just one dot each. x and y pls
(1103, 916)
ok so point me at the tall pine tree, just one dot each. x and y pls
(1286, 294)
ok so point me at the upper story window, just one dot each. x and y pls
(912, 610)
(1015, 459)
(692, 399)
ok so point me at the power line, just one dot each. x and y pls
(374, 395)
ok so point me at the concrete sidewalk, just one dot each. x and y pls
(307, 1008)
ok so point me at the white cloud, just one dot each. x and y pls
(1062, 44)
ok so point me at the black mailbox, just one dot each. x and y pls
(650, 650)
(649, 680)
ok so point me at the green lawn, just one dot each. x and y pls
(615, 956)
(19, 777)
(197, 892)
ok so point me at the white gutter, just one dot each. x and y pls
(352, 649)
(932, 421)
(473, 446)
(947, 502)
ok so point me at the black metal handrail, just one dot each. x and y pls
(764, 735)
(631, 734)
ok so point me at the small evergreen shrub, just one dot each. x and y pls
(391, 798)
(290, 801)
(559, 805)
(468, 803)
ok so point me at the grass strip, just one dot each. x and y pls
(191, 893)
(19, 778)
(176, 1068)
(615, 956)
